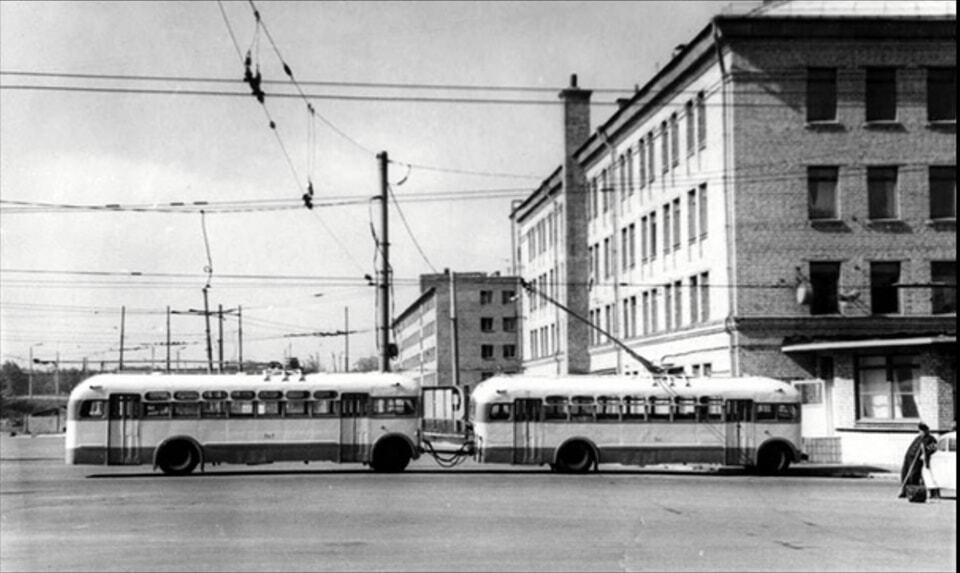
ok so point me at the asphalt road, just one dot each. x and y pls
(323, 517)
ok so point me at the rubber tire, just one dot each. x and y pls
(178, 458)
(390, 456)
(773, 460)
(574, 457)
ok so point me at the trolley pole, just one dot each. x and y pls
(168, 339)
(206, 317)
(240, 337)
(220, 337)
(123, 320)
(346, 339)
(385, 267)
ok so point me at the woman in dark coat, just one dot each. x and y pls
(916, 458)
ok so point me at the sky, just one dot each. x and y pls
(65, 273)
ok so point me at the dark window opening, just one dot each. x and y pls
(825, 282)
(881, 94)
(821, 94)
(822, 191)
(884, 295)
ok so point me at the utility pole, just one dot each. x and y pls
(56, 375)
(385, 260)
(346, 339)
(123, 320)
(240, 338)
(206, 317)
(168, 339)
(220, 337)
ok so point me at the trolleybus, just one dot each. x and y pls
(180, 422)
(573, 423)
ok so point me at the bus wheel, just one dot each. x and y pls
(390, 455)
(574, 457)
(178, 458)
(773, 459)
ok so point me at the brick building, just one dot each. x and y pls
(780, 199)
(483, 339)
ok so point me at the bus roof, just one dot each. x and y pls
(509, 388)
(375, 383)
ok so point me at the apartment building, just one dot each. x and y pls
(461, 339)
(780, 199)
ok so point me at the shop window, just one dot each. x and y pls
(887, 387)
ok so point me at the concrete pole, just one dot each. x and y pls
(385, 267)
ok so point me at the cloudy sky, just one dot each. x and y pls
(136, 105)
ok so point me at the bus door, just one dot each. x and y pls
(738, 418)
(123, 431)
(527, 430)
(354, 427)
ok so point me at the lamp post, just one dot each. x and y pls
(30, 374)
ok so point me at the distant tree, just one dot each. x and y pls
(368, 364)
(293, 363)
(13, 380)
(313, 365)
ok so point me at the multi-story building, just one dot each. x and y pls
(780, 199)
(459, 340)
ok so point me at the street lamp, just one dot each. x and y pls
(30, 374)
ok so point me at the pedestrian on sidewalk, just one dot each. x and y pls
(915, 460)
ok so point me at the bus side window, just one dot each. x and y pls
(555, 408)
(608, 408)
(660, 409)
(268, 408)
(787, 413)
(323, 408)
(634, 408)
(186, 410)
(213, 409)
(582, 409)
(498, 412)
(295, 408)
(93, 409)
(241, 408)
(686, 409)
(156, 410)
(765, 413)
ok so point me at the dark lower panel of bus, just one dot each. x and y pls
(630, 456)
(229, 453)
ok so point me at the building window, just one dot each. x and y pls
(624, 254)
(881, 94)
(651, 149)
(882, 191)
(677, 304)
(943, 192)
(704, 296)
(608, 318)
(942, 94)
(604, 191)
(646, 313)
(509, 350)
(486, 324)
(654, 311)
(509, 324)
(607, 262)
(653, 236)
(664, 147)
(821, 94)
(691, 128)
(701, 120)
(593, 198)
(943, 276)
(644, 230)
(633, 316)
(886, 387)
(507, 296)
(825, 282)
(676, 224)
(884, 294)
(668, 306)
(626, 318)
(486, 297)
(642, 162)
(596, 261)
(630, 171)
(632, 244)
(666, 229)
(703, 211)
(694, 300)
(822, 192)
(486, 351)
(674, 141)
(692, 215)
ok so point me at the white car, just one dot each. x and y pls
(943, 465)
